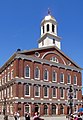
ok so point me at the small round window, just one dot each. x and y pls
(37, 54)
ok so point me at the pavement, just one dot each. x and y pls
(60, 117)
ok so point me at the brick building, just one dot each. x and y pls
(39, 79)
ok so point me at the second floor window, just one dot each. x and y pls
(27, 71)
(27, 90)
(61, 77)
(54, 92)
(37, 73)
(68, 79)
(45, 74)
(54, 76)
(37, 91)
(75, 80)
(45, 91)
(61, 93)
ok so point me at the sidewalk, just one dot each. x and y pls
(45, 118)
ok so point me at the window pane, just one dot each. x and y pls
(61, 77)
(61, 93)
(27, 72)
(36, 73)
(46, 75)
(54, 91)
(36, 90)
(26, 89)
(54, 76)
(45, 91)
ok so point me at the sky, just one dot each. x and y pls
(20, 26)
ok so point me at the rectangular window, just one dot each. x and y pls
(54, 92)
(45, 91)
(27, 90)
(61, 93)
(61, 77)
(27, 72)
(54, 76)
(45, 75)
(68, 79)
(75, 80)
(12, 74)
(37, 73)
(37, 91)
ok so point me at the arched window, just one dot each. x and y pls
(37, 73)
(47, 27)
(54, 59)
(27, 108)
(45, 74)
(27, 71)
(53, 109)
(45, 109)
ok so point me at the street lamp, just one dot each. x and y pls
(70, 99)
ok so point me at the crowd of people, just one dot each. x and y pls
(27, 116)
(75, 117)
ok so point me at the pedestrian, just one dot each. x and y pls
(79, 118)
(35, 116)
(15, 115)
(27, 116)
(18, 116)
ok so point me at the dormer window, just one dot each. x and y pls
(54, 59)
(47, 27)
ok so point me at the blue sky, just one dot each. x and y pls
(20, 26)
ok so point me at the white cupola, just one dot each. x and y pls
(49, 32)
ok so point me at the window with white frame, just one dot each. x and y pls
(61, 93)
(27, 72)
(54, 76)
(11, 92)
(37, 91)
(12, 74)
(37, 73)
(9, 76)
(61, 77)
(68, 78)
(45, 91)
(75, 80)
(45, 74)
(54, 59)
(27, 108)
(5, 78)
(11, 109)
(8, 92)
(54, 92)
(4, 92)
(7, 108)
(27, 90)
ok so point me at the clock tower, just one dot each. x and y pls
(49, 35)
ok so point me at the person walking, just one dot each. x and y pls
(27, 116)
(15, 115)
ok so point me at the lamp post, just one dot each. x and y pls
(70, 99)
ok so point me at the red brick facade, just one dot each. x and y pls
(12, 84)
